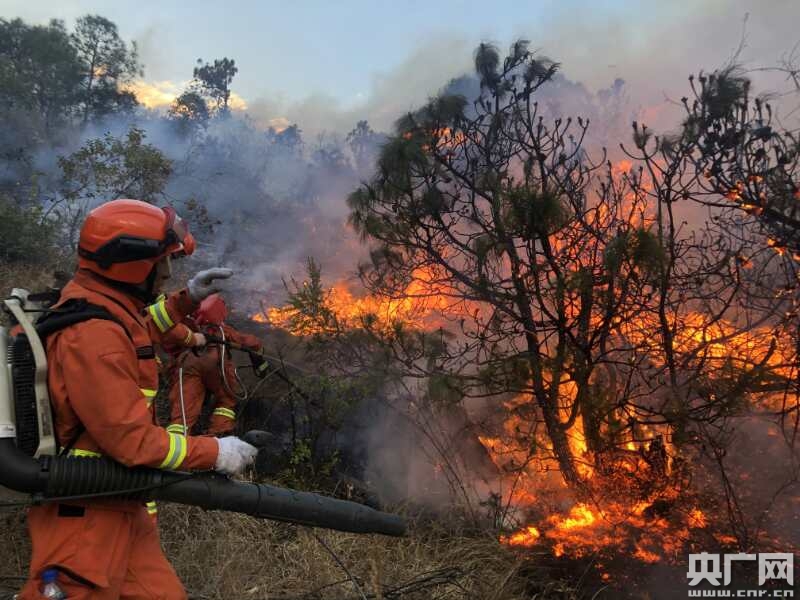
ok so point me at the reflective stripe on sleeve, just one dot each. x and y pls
(189, 337)
(225, 412)
(176, 428)
(152, 507)
(160, 315)
(176, 452)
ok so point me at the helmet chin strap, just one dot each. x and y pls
(144, 292)
(148, 287)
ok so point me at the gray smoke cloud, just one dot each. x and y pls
(652, 47)
(422, 74)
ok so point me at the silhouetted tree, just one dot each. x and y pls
(215, 79)
(189, 111)
(364, 144)
(107, 62)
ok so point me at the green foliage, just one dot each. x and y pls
(485, 246)
(647, 252)
(364, 143)
(504, 373)
(189, 111)
(301, 453)
(308, 301)
(487, 61)
(722, 91)
(579, 280)
(39, 69)
(433, 201)
(25, 235)
(402, 158)
(640, 248)
(444, 389)
(531, 213)
(214, 80)
(445, 110)
(384, 257)
(331, 401)
(106, 62)
(111, 167)
(539, 70)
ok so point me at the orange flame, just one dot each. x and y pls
(420, 305)
(529, 536)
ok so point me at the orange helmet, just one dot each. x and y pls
(212, 311)
(122, 240)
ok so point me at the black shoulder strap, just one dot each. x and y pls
(70, 313)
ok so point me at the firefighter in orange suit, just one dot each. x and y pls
(173, 342)
(102, 378)
(212, 371)
(177, 339)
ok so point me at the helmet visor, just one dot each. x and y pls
(178, 240)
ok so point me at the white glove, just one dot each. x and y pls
(199, 340)
(234, 455)
(202, 284)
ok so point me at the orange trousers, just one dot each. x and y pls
(100, 553)
(200, 374)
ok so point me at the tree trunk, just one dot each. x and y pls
(561, 449)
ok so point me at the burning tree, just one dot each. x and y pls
(541, 253)
(581, 316)
(613, 337)
(727, 297)
(744, 156)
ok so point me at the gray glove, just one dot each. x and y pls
(234, 455)
(203, 284)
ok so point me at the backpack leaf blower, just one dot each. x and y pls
(29, 462)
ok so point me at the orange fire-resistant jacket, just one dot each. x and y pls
(102, 382)
(174, 340)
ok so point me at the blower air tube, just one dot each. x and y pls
(61, 476)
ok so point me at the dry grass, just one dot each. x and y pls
(223, 555)
(230, 556)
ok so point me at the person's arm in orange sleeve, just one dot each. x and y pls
(101, 379)
(243, 339)
(180, 336)
(170, 310)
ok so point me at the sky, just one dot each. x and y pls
(330, 60)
